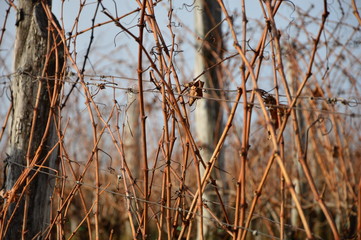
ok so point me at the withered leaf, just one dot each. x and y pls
(274, 110)
(196, 91)
(281, 110)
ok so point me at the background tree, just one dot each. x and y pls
(208, 114)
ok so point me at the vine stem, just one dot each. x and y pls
(143, 117)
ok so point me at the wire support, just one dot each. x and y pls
(351, 102)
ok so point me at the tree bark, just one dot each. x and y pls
(207, 112)
(132, 151)
(131, 135)
(38, 64)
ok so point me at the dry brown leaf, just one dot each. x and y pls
(196, 91)
(271, 104)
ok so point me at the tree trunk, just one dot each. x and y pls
(131, 135)
(33, 137)
(132, 151)
(208, 114)
(293, 72)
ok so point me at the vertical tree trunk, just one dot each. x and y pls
(131, 141)
(293, 72)
(131, 135)
(207, 112)
(33, 137)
